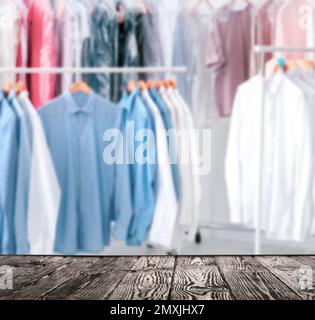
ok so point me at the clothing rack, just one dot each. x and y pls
(263, 51)
(96, 70)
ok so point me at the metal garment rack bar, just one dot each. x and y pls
(94, 70)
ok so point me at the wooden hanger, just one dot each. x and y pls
(151, 84)
(80, 86)
(159, 84)
(131, 86)
(8, 87)
(172, 83)
(142, 86)
(166, 84)
(20, 87)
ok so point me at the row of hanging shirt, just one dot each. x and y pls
(238, 26)
(76, 33)
(287, 177)
(85, 33)
(59, 193)
(91, 33)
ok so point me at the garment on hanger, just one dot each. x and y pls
(94, 192)
(128, 50)
(72, 29)
(9, 37)
(229, 60)
(143, 174)
(287, 177)
(100, 49)
(162, 228)
(22, 50)
(24, 156)
(292, 27)
(172, 145)
(262, 33)
(188, 218)
(29, 192)
(148, 29)
(192, 32)
(8, 168)
(43, 51)
(36, 224)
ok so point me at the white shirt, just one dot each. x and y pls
(162, 229)
(287, 163)
(190, 188)
(9, 26)
(44, 191)
(191, 215)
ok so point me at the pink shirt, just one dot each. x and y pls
(228, 54)
(291, 28)
(42, 48)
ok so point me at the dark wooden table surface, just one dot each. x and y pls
(158, 277)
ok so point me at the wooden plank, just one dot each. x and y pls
(194, 261)
(289, 271)
(50, 278)
(153, 263)
(148, 277)
(139, 285)
(305, 260)
(250, 280)
(96, 282)
(238, 263)
(27, 271)
(198, 283)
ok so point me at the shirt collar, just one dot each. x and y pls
(274, 85)
(128, 102)
(73, 107)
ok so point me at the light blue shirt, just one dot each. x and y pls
(171, 139)
(93, 192)
(143, 175)
(24, 156)
(9, 146)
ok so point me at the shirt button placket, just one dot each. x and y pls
(81, 173)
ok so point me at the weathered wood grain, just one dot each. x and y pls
(154, 263)
(157, 277)
(93, 282)
(306, 260)
(250, 280)
(51, 278)
(30, 270)
(195, 261)
(147, 285)
(289, 270)
(199, 283)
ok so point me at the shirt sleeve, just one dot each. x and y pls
(303, 172)
(22, 190)
(215, 52)
(123, 209)
(145, 198)
(232, 163)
